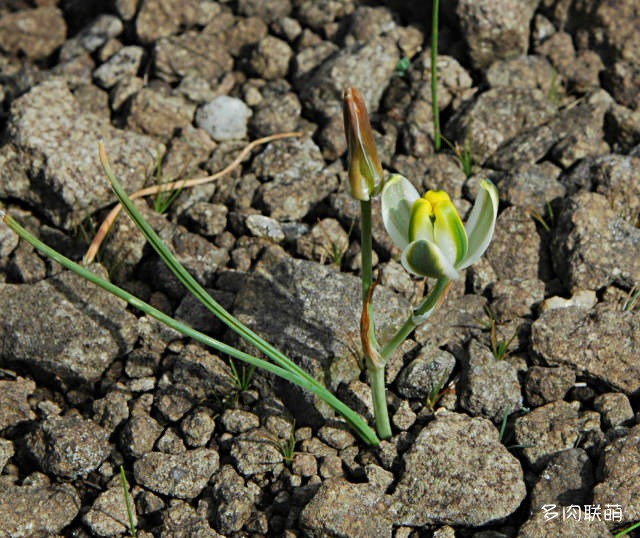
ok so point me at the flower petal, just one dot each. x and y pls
(424, 258)
(481, 223)
(449, 232)
(398, 196)
(420, 223)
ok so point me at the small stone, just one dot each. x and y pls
(488, 387)
(551, 428)
(269, 10)
(544, 385)
(14, 401)
(266, 227)
(586, 299)
(160, 115)
(6, 452)
(112, 410)
(327, 242)
(206, 374)
(330, 467)
(197, 428)
(270, 59)
(615, 410)
(235, 501)
(426, 374)
(621, 476)
(516, 298)
(404, 417)
(139, 435)
(495, 29)
(170, 443)
(38, 509)
(252, 453)
(69, 446)
(583, 340)
(567, 479)
(182, 475)
(304, 465)
(340, 508)
(239, 421)
(206, 218)
(123, 64)
(337, 438)
(469, 456)
(108, 514)
(173, 402)
(36, 33)
(224, 118)
(91, 37)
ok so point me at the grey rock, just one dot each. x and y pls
(54, 164)
(270, 59)
(191, 54)
(560, 337)
(488, 387)
(617, 177)
(615, 409)
(337, 438)
(532, 186)
(266, 227)
(369, 66)
(180, 520)
(108, 514)
(552, 428)
(580, 299)
(453, 323)
(542, 524)
(623, 125)
(495, 30)
(276, 112)
(516, 298)
(340, 508)
(622, 79)
(427, 373)
(576, 131)
(239, 421)
(224, 118)
(521, 72)
(161, 18)
(6, 452)
(310, 57)
(497, 116)
(235, 501)
(515, 250)
(318, 312)
(294, 178)
(206, 218)
(367, 22)
(156, 114)
(36, 33)
(182, 475)
(621, 476)
(173, 401)
(39, 510)
(14, 401)
(37, 331)
(91, 37)
(197, 427)
(404, 417)
(269, 10)
(69, 446)
(124, 63)
(112, 410)
(326, 242)
(139, 434)
(543, 385)
(453, 457)
(243, 33)
(256, 452)
(123, 91)
(206, 374)
(567, 480)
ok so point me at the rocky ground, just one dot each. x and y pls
(542, 94)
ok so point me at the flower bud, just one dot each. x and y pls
(365, 169)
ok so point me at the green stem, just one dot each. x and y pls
(366, 248)
(378, 391)
(434, 75)
(306, 382)
(419, 314)
(374, 365)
